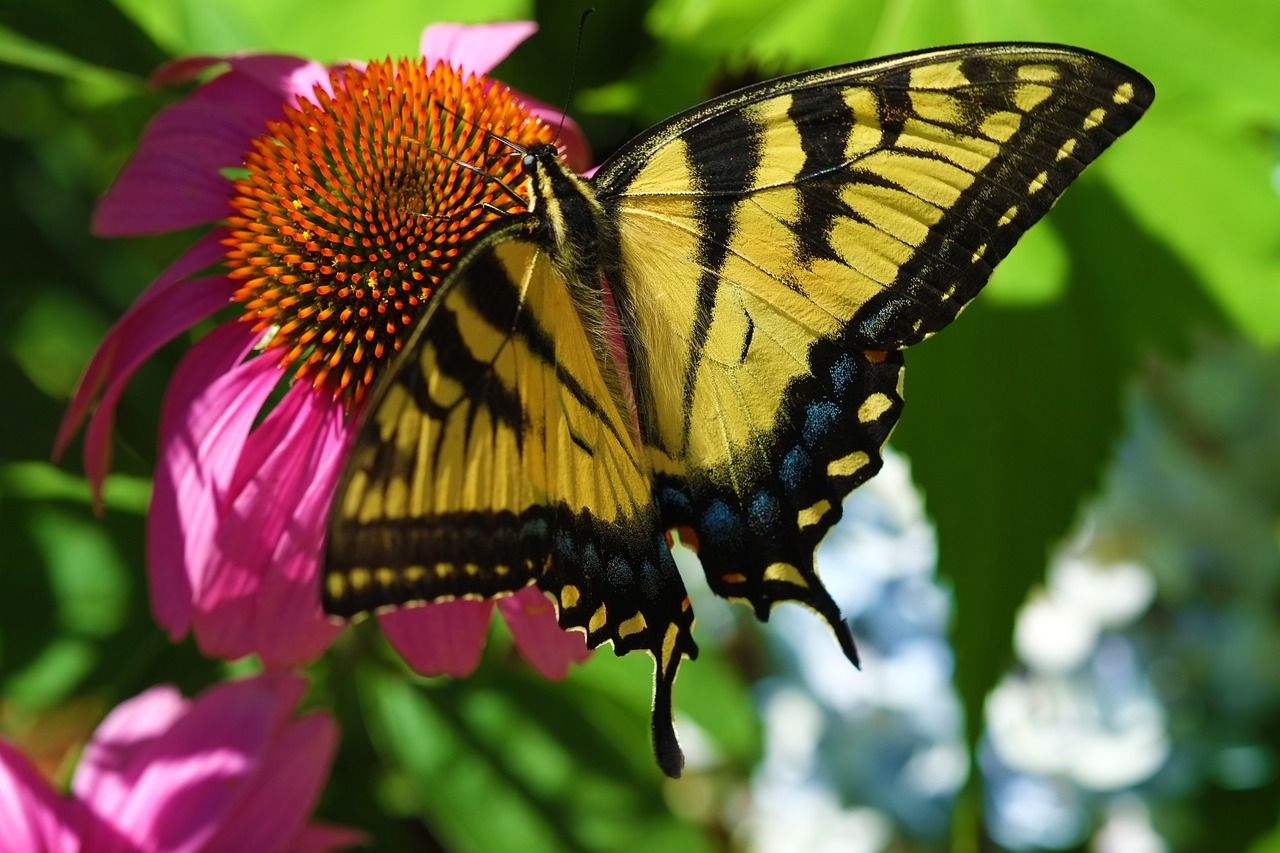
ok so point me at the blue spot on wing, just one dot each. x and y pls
(590, 560)
(650, 581)
(795, 469)
(618, 573)
(674, 501)
(818, 419)
(765, 513)
(843, 372)
(563, 546)
(720, 524)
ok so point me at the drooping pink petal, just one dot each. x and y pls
(542, 642)
(33, 818)
(122, 745)
(190, 778)
(263, 591)
(229, 770)
(169, 314)
(174, 179)
(439, 639)
(474, 48)
(122, 349)
(182, 70)
(275, 804)
(210, 406)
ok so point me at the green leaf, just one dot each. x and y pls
(1035, 271)
(515, 763)
(41, 481)
(17, 50)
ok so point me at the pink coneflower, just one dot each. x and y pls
(340, 196)
(230, 770)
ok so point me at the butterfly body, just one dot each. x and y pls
(705, 337)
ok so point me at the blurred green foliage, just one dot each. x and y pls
(1011, 413)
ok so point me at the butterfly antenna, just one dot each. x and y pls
(573, 70)
(462, 164)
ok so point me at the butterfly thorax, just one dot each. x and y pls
(570, 217)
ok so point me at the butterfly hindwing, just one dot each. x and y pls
(496, 454)
(819, 224)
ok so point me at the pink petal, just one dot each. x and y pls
(210, 406)
(156, 324)
(474, 48)
(288, 77)
(439, 639)
(542, 642)
(192, 776)
(263, 589)
(33, 819)
(174, 179)
(121, 746)
(272, 809)
(183, 70)
(133, 339)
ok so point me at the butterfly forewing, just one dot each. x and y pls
(819, 224)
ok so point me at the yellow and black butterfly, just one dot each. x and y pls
(763, 258)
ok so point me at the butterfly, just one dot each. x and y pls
(705, 337)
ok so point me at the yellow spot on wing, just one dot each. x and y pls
(1000, 126)
(1067, 149)
(785, 573)
(812, 515)
(634, 625)
(942, 75)
(1037, 183)
(936, 107)
(413, 574)
(359, 578)
(1008, 216)
(978, 253)
(386, 577)
(1027, 98)
(847, 465)
(598, 620)
(1038, 73)
(337, 586)
(1123, 94)
(873, 407)
(669, 645)
(1094, 118)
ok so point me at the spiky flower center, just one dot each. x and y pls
(356, 205)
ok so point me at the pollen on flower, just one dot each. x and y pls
(355, 206)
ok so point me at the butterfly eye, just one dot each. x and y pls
(527, 161)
